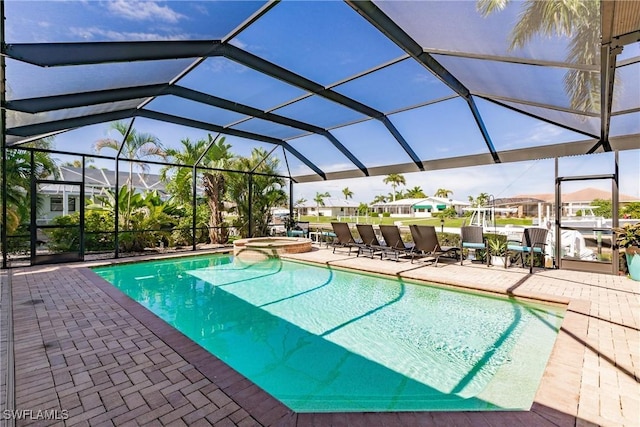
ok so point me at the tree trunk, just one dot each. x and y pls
(214, 189)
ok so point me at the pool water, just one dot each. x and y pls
(324, 339)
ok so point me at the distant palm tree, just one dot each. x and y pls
(348, 194)
(301, 201)
(319, 199)
(363, 209)
(577, 20)
(78, 163)
(415, 193)
(481, 200)
(394, 179)
(380, 198)
(444, 193)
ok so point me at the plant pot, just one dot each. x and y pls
(632, 254)
(499, 261)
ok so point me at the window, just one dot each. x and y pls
(56, 204)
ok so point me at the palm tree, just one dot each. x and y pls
(18, 169)
(78, 163)
(415, 193)
(179, 180)
(394, 179)
(180, 184)
(136, 146)
(319, 199)
(348, 194)
(442, 192)
(267, 190)
(301, 201)
(481, 200)
(578, 20)
(219, 156)
(380, 198)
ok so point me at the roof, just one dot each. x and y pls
(585, 195)
(340, 89)
(102, 178)
(107, 178)
(330, 202)
(422, 201)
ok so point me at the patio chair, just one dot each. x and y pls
(344, 239)
(533, 242)
(427, 244)
(471, 237)
(394, 242)
(370, 240)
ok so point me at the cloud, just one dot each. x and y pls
(539, 134)
(143, 11)
(95, 33)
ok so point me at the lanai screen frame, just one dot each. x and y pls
(56, 54)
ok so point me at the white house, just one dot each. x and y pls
(64, 199)
(418, 207)
(332, 207)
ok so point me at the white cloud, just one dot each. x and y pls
(93, 33)
(143, 11)
(539, 134)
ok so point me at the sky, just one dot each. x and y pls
(346, 47)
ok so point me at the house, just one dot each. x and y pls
(332, 207)
(64, 199)
(418, 207)
(573, 204)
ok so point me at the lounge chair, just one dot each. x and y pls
(471, 237)
(533, 242)
(394, 242)
(427, 244)
(344, 239)
(371, 242)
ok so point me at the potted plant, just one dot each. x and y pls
(628, 240)
(498, 252)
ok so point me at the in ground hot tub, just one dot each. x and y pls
(265, 247)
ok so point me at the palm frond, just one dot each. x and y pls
(106, 143)
(487, 7)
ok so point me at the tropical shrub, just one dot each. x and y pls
(631, 210)
(98, 232)
(182, 235)
(145, 220)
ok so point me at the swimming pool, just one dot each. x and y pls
(323, 339)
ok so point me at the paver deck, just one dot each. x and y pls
(96, 357)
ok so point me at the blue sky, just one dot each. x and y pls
(345, 47)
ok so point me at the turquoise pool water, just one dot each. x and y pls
(322, 339)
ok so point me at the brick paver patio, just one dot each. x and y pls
(86, 350)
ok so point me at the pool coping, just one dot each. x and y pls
(564, 362)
